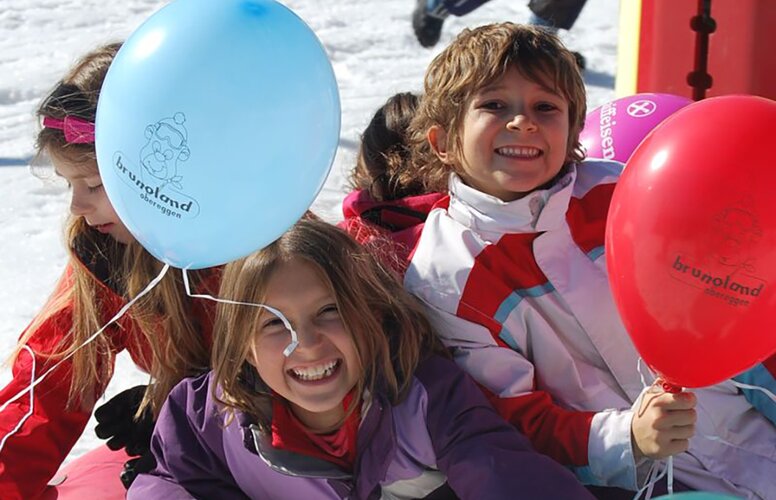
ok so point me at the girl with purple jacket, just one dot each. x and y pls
(360, 404)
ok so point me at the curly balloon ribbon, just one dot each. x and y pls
(32, 401)
(654, 476)
(754, 387)
(294, 338)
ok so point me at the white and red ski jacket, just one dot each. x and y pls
(519, 291)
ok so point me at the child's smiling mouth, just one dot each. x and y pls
(519, 152)
(315, 373)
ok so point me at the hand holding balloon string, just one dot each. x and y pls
(664, 422)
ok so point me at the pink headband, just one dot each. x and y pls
(77, 130)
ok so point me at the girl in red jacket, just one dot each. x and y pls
(166, 332)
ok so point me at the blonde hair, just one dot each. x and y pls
(477, 58)
(383, 164)
(390, 331)
(179, 345)
(163, 316)
(75, 95)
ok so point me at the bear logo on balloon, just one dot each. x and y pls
(165, 148)
(731, 278)
(157, 180)
(738, 229)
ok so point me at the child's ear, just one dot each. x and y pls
(437, 139)
(250, 359)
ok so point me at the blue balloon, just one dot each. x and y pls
(216, 127)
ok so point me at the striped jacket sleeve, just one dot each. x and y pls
(596, 446)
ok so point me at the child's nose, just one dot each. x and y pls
(308, 336)
(521, 121)
(80, 204)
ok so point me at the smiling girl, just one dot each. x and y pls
(360, 407)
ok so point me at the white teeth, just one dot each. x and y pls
(519, 152)
(315, 372)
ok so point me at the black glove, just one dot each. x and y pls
(444, 492)
(142, 464)
(116, 422)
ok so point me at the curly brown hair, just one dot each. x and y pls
(477, 58)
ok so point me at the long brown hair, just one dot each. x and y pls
(476, 58)
(390, 330)
(163, 316)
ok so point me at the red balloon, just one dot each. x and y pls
(691, 241)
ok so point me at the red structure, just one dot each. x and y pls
(697, 48)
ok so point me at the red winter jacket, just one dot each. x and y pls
(32, 454)
(394, 224)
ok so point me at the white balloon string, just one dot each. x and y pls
(711, 437)
(652, 476)
(639, 368)
(655, 478)
(32, 401)
(294, 338)
(755, 387)
(652, 479)
(34, 382)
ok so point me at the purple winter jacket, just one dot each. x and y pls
(445, 430)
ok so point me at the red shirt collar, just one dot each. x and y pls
(338, 447)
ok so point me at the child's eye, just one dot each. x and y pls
(492, 105)
(329, 311)
(273, 325)
(94, 189)
(546, 107)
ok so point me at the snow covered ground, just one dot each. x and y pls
(372, 48)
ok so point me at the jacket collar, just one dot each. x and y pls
(291, 463)
(539, 211)
(393, 215)
(376, 449)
